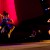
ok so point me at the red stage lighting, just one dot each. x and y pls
(9, 7)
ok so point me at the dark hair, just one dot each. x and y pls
(5, 13)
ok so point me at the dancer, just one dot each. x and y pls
(6, 25)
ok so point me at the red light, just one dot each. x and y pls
(9, 6)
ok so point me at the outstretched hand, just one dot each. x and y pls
(1, 16)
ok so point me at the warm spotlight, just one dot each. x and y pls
(48, 21)
(49, 32)
(39, 31)
(0, 27)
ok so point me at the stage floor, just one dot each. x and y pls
(43, 45)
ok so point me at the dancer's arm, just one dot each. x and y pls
(1, 15)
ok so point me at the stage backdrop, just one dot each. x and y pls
(28, 9)
(20, 10)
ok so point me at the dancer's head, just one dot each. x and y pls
(5, 13)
